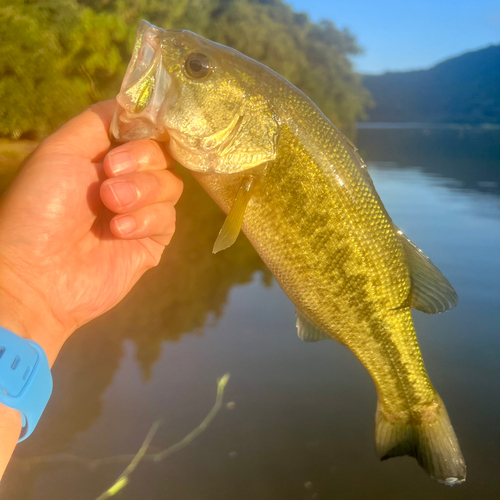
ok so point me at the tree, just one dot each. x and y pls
(314, 57)
(34, 92)
(75, 52)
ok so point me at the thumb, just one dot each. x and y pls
(86, 135)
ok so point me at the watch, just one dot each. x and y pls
(25, 378)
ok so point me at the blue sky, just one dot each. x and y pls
(399, 35)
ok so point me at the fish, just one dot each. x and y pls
(298, 189)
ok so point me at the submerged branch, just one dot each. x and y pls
(122, 480)
(141, 455)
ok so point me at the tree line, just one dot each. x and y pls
(59, 56)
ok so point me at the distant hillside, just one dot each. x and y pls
(465, 89)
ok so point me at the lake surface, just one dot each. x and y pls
(298, 419)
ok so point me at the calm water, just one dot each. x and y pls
(301, 416)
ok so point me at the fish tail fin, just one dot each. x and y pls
(432, 441)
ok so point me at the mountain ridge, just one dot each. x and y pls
(462, 89)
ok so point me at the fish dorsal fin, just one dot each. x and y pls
(431, 292)
(232, 225)
(307, 331)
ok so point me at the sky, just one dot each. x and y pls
(400, 35)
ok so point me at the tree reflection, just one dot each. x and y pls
(468, 155)
(190, 284)
(188, 288)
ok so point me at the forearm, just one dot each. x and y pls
(63, 260)
(23, 312)
(10, 428)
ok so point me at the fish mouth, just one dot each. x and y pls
(143, 90)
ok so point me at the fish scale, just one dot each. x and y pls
(325, 284)
(302, 195)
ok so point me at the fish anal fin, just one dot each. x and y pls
(431, 292)
(232, 225)
(308, 331)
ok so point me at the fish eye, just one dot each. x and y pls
(197, 65)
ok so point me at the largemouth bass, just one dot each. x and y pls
(300, 192)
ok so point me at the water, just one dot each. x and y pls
(300, 423)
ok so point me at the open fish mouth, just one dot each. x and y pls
(143, 90)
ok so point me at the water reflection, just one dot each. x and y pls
(183, 295)
(302, 425)
(471, 156)
(190, 287)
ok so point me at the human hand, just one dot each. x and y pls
(65, 256)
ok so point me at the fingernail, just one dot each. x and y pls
(123, 192)
(121, 163)
(125, 224)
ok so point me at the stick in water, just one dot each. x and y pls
(122, 480)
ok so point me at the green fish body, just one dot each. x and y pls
(302, 195)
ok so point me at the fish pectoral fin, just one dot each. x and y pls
(232, 225)
(308, 331)
(431, 292)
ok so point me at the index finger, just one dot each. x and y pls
(135, 156)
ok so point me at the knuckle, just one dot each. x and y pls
(168, 186)
(157, 153)
(176, 186)
(158, 186)
(99, 106)
(168, 216)
(149, 153)
(94, 107)
(149, 185)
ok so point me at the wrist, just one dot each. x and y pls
(25, 312)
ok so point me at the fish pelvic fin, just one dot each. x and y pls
(432, 441)
(232, 225)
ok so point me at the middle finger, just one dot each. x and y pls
(132, 191)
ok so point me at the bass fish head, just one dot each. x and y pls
(207, 102)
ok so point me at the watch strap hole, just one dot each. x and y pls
(15, 363)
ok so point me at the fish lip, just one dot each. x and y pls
(129, 122)
(127, 79)
(126, 126)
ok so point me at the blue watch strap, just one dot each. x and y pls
(25, 378)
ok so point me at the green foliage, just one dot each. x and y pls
(33, 91)
(59, 56)
(311, 56)
(94, 50)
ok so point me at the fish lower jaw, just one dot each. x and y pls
(127, 126)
